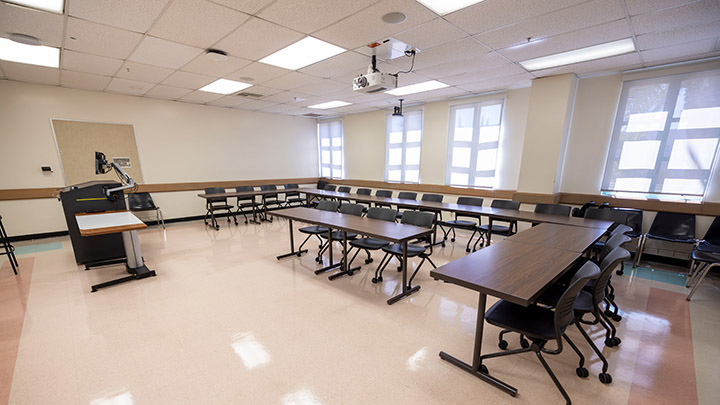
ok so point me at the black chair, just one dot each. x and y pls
(616, 216)
(330, 187)
(462, 223)
(553, 209)
(669, 227)
(580, 212)
(363, 191)
(541, 324)
(272, 199)
(9, 249)
(343, 189)
(405, 195)
(217, 204)
(627, 220)
(138, 202)
(502, 230)
(705, 256)
(245, 202)
(293, 196)
(417, 218)
(384, 194)
(368, 244)
(335, 236)
(321, 184)
(317, 230)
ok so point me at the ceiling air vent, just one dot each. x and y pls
(312, 115)
(249, 95)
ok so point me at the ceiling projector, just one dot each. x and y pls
(374, 82)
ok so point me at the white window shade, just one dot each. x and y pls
(666, 135)
(403, 147)
(330, 141)
(473, 144)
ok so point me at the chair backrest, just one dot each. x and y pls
(418, 218)
(386, 214)
(506, 204)
(291, 185)
(478, 202)
(140, 202)
(321, 184)
(622, 228)
(564, 313)
(673, 225)
(343, 189)
(407, 195)
(713, 233)
(352, 209)
(617, 216)
(327, 205)
(383, 193)
(613, 242)
(553, 209)
(608, 264)
(432, 197)
(363, 191)
(216, 190)
(329, 187)
(290, 190)
(268, 187)
(241, 189)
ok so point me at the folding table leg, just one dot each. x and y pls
(292, 244)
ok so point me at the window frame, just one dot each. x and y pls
(331, 166)
(403, 146)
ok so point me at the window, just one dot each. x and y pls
(330, 135)
(402, 153)
(473, 144)
(665, 139)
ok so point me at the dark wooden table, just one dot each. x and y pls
(572, 238)
(239, 194)
(390, 231)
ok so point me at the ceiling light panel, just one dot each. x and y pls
(330, 104)
(33, 55)
(581, 55)
(302, 53)
(417, 88)
(224, 86)
(443, 7)
(55, 6)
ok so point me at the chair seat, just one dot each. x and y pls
(704, 256)
(533, 321)
(369, 243)
(246, 204)
(397, 249)
(338, 235)
(708, 247)
(497, 229)
(219, 207)
(314, 230)
(460, 223)
(295, 199)
(668, 239)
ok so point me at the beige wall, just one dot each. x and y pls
(177, 142)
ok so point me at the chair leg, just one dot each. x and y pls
(303, 244)
(706, 270)
(605, 378)
(552, 376)
(160, 217)
(611, 338)
(354, 256)
(638, 254)
(381, 266)
(581, 371)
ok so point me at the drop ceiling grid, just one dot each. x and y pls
(162, 42)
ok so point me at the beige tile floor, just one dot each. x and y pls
(225, 322)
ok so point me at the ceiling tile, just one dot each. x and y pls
(255, 105)
(643, 6)
(98, 39)
(678, 52)
(84, 81)
(200, 97)
(611, 64)
(560, 22)
(160, 52)
(279, 108)
(262, 90)
(490, 60)
(133, 15)
(324, 86)
(47, 27)
(188, 80)
(310, 15)
(197, 22)
(367, 26)
(302, 111)
(692, 14)
(566, 42)
(430, 34)
(291, 81)
(132, 87)
(433, 94)
(506, 70)
(678, 36)
(513, 81)
(285, 97)
(30, 73)
(490, 15)
(343, 63)
(257, 73)
(204, 65)
(246, 6)
(143, 73)
(167, 92)
(229, 101)
(467, 48)
(83, 62)
(257, 38)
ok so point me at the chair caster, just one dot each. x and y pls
(368, 261)
(582, 372)
(444, 237)
(442, 244)
(376, 280)
(605, 378)
(246, 222)
(399, 268)
(217, 228)
(616, 318)
(298, 254)
(503, 345)
(484, 369)
(524, 343)
(317, 259)
(612, 342)
(619, 272)
(467, 250)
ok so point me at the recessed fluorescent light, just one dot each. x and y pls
(418, 88)
(302, 53)
(443, 7)
(581, 55)
(56, 6)
(330, 104)
(224, 86)
(34, 55)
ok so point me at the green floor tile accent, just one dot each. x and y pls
(42, 247)
(662, 276)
